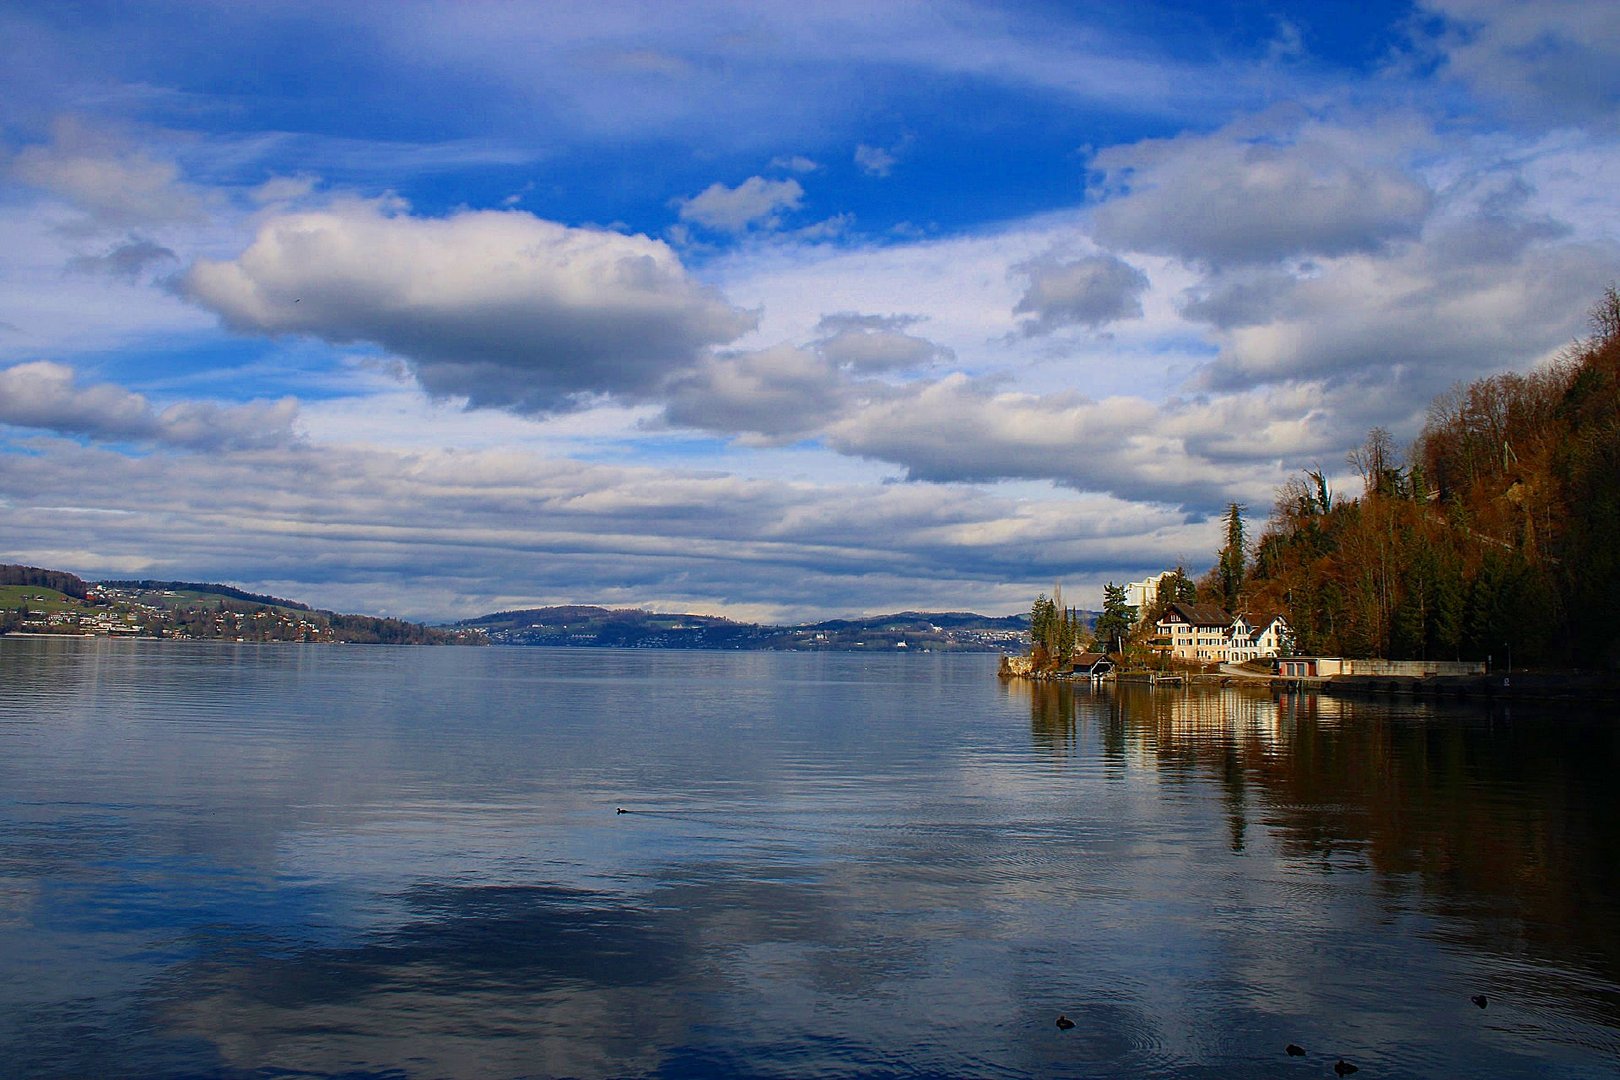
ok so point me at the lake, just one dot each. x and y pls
(316, 861)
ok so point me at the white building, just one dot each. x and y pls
(1252, 637)
(1196, 631)
(1208, 633)
(1141, 594)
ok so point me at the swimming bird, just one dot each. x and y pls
(1344, 1068)
(622, 810)
(1064, 1023)
(1295, 1050)
(1479, 999)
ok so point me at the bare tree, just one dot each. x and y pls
(1374, 460)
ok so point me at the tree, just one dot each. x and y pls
(1186, 592)
(1173, 588)
(1042, 626)
(1067, 630)
(1605, 318)
(1233, 560)
(1117, 618)
(1375, 461)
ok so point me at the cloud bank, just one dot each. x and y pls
(500, 308)
(47, 396)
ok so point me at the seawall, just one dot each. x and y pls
(1521, 685)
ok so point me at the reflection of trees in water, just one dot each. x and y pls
(1056, 712)
(1051, 714)
(1505, 820)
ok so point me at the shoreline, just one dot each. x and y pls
(1521, 685)
(1515, 686)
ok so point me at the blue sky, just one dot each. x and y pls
(772, 310)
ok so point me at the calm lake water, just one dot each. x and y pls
(282, 861)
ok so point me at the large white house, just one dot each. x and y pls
(1208, 633)
(1252, 637)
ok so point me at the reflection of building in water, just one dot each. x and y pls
(1143, 723)
(1230, 714)
(1307, 705)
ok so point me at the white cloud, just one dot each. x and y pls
(1483, 292)
(129, 260)
(963, 286)
(46, 395)
(757, 76)
(1258, 192)
(1292, 360)
(1550, 62)
(113, 182)
(1089, 291)
(501, 308)
(68, 291)
(874, 160)
(795, 163)
(870, 344)
(778, 393)
(955, 430)
(755, 203)
(284, 189)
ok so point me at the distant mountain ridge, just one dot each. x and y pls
(193, 609)
(582, 625)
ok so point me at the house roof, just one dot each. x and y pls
(1088, 659)
(1200, 614)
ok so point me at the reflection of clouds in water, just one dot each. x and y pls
(717, 966)
(865, 873)
(482, 982)
(718, 970)
(18, 897)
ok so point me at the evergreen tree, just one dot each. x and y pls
(1064, 650)
(1174, 588)
(1186, 591)
(1446, 628)
(1042, 627)
(1233, 560)
(1116, 621)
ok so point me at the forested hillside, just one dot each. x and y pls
(1499, 530)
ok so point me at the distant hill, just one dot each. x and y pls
(206, 589)
(946, 620)
(34, 600)
(585, 626)
(63, 582)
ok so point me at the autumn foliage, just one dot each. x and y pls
(1500, 531)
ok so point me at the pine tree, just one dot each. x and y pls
(1117, 618)
(1233, 560)
(1064, 651)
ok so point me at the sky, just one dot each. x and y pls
(780, 311)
